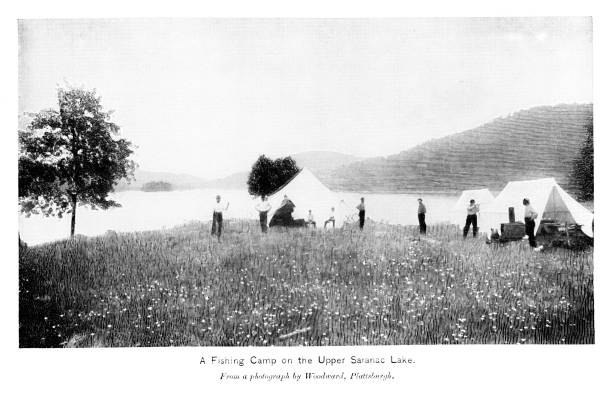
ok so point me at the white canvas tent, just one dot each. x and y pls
(308, 193)
(545, 196)
(483, 197)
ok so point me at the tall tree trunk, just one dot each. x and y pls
(73, 221)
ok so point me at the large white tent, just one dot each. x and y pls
(545, 196)
(308, 193)
(483, 197)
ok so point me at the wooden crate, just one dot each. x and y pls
(512, 230)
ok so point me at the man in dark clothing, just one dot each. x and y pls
(421, 215)
(361, 208)
(472, 219)
(217, 224)
(530, 217)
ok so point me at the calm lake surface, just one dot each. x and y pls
(142, 211)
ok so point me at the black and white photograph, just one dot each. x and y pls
(305, 182)
(272, 182)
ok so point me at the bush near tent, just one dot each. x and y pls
(283, 217)
(571, 236)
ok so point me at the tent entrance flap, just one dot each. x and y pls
(556, 209)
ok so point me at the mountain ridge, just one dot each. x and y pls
(532, 143)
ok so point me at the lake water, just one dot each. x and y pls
(157, 210)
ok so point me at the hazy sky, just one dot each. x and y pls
(207, 96)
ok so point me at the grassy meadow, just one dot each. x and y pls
(385, 285)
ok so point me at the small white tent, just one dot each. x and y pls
(483, 197)
(308, 193)
(545, 196)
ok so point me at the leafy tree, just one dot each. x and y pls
(267, 175)
(71, 155)
(583, 172)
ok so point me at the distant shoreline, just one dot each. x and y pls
(428, 192)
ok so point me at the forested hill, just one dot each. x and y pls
(538, 142)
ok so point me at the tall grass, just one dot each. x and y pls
(385, 285)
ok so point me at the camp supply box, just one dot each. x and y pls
(550, 227)
(512, 230)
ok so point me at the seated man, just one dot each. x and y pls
(310, 221)
(331, 219)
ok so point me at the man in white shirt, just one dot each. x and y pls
(331, 218)
(311, 221)
(263, 207)
(471, 219)
(530, 217)
(285, 199)
(217, 224)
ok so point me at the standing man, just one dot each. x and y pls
(361, 208)
(472, 218)
(263, 207)
(217, 224)
(421, 214)
(530, 217)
